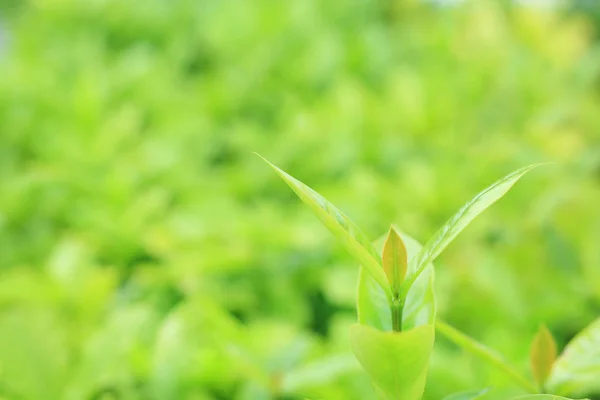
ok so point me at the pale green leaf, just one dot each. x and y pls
(33, 363)
(395, 361)
(470, 395)
(577, 369)
(346, 231)
(543, 355)
(419, 308)
(395, 260)
(461, 220)
(541, 397)
(483, 352)
(318, 372)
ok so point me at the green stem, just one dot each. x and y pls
(484, 353)
(397, 307)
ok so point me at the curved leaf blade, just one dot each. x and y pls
(445, 235)
(483, 352)
(346, 231)
(577, 369)
(419, 308)
(470, 395)
(543, 355)
(396, 362)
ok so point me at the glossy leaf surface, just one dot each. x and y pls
(445, 235)
(346, 231)
(470, 395)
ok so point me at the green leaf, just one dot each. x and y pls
(346, 231)
(33, 360)
(577, 369)
(395, 260)
(483, 352)
(543, 355)
(461, 220)
(396, 361)
(318, 372)
(419, 308)
(470, 395)
(541, 397)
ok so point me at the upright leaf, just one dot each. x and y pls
(395, 260)
(396, 361)
(577, 369)
(543, 355)
(461, 220)
(318, 372)
(346, 231)
(419, 307)
(470, 395)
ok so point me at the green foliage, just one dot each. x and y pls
(542, 355)
(145, 253)
(483, 352)
(346, 231)
(541, 397)
(419, 307)
(446, 234)
(394, 260)
(577, 369)
(396, 361)
(470, 395)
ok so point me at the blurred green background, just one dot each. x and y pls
(146, 253)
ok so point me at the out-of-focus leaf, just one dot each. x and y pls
(543, 355)
(483, 352)
(419, 308)
(470, 395)
(395, 260)
(443, 237)
(577, 370)
(346, 231)
(318, 372)
(33, 360)
(396, 361)
(192, 332)
(542, 397)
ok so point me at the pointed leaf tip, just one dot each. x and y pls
(344, 229)
(469, 395)
(543, 355)
(446, 234)
(395, 260)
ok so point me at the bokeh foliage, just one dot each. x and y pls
(146, 253)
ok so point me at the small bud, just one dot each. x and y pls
(395, 260)
(543, 354)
